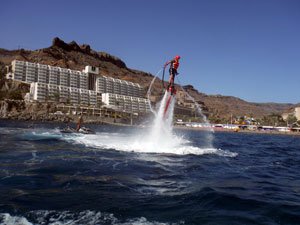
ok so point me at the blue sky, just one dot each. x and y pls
(244, 48)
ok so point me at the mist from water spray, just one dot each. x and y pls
(150, 88)
(162, 127)
(199, 110)
(164, 121)
(160, 135)
(159, 138)
(209, 135)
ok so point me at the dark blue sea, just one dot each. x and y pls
(109, 178)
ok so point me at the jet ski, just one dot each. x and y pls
(85, 130)
(68, 130)
(82, 130)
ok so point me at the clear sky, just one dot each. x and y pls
(244, 48)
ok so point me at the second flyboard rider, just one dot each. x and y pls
(174, 64)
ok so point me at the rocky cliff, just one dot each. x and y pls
(227, 106)
(20, 110)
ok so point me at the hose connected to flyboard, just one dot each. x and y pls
(163, 77)
(150, 88)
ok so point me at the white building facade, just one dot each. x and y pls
(54, 73)
(79, 88)
(126, 103)
(50, 92)
(35, 72)
(297, 113)
(116, 86)
(39, 91)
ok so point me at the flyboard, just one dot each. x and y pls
(171, 95)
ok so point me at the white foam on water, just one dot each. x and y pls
(7, 219)
(87, 217)
(41, 134)
(142, 144)
(158, 139)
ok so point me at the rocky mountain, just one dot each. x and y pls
(227, 106)
(74, 56)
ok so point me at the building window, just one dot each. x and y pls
(93, 68)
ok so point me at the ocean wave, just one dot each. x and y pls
(39, 135)
(87, 217)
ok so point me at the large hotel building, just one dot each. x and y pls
(83, 88)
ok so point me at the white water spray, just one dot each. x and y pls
(161, 131)
(159, 138)
(149, 90)
(209, 136)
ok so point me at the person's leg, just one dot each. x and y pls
(170, 84)
(171, 81)
(78, 126)
(170, 75)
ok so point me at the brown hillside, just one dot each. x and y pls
(74, 56)
(225, 106)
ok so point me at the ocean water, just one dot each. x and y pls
(121, 176)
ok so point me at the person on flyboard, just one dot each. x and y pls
(174, 64)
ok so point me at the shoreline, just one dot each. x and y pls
(240, 131)
(102, 121)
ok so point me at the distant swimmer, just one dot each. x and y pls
(174, 64)
(79, 122)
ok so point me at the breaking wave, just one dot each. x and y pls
(71, 218)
